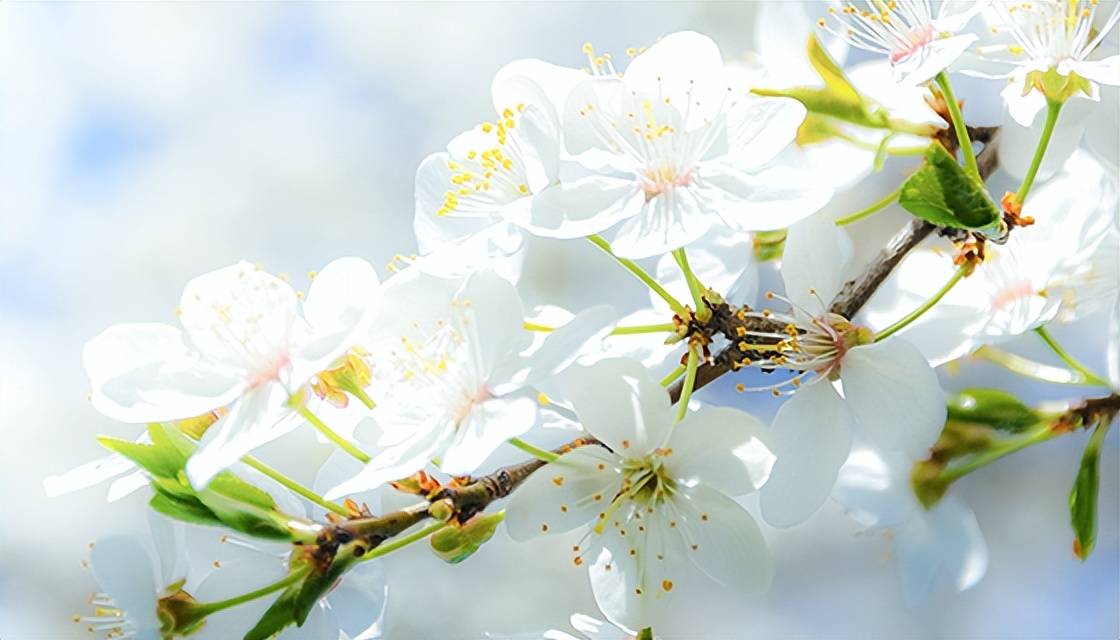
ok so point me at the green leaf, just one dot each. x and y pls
(1083, 496)
(942, 193)
(837, 99)
(191, 511)
(455, 544)
(992, 407)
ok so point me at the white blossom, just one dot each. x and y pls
(917, 44)
(669, 148)
(451, 378)
(655, 500)
(891, 396)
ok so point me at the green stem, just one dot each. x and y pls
(295, 486)
(673, 375)
(386, 548)
(1053, 108)
(878, 206)
(959, 126)
(288, 580)
(689, 383)
(536, 452)
(694, 286)
(639, 273)
(1029, 368)
(618, 331)
(1044, 433)
(645, 634)
(333, 436)
(1067, 358)
(926, 306)
(645, 328)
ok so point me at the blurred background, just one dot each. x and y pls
(143, 144)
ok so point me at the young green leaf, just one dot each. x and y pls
(1083, 496)
(991, 407)
(942, 193)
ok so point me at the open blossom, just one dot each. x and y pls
(471, 198)
(669, 148)
(1062, 266)
(875, 490)
(656, 507)
(245, 345)
(1050, 35)
(918, 45)
(452, 382)
(892, 398)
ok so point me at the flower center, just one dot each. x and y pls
(271, 371)
(809, 345)
(662, 178)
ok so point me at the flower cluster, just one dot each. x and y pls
(699, 177)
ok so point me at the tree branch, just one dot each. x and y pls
(466, 499)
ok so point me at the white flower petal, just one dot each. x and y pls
(485, 429)
(403, 457)
(224, 310)
(535, 83)
(811, 438)
(669, 221)
(685, 68)
(758, 129)
(895, 396)
(946, 537)
(772, 198)
(147, 373)
(494, 319)
(722, 448)
(558, 349)
(561, 495)
(618, 402)
(124, 569)
(815, 258)
(874, 488)
(724, 540)
(340, 294)
(125, 486)
(584, 207)
(433, 179)
(1104, 71)
(933, 58)
(639, 575)
(87, 475)
(260, 416)
(1023, 107)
